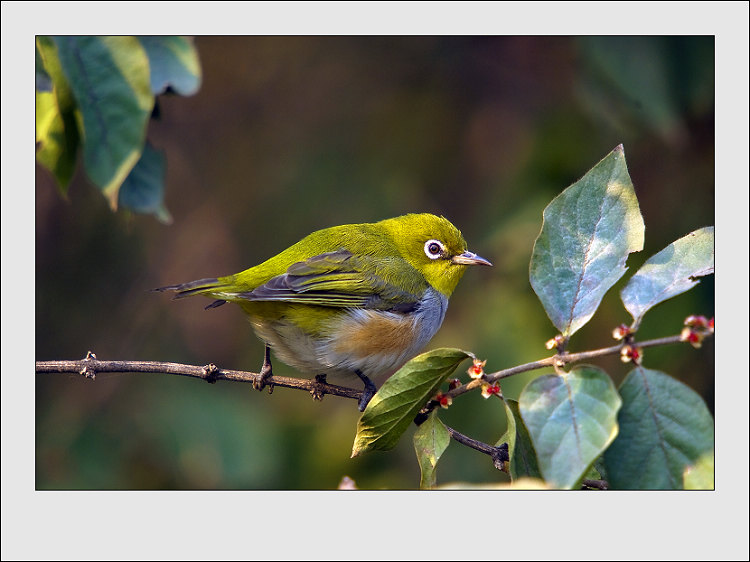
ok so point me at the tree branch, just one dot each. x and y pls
(499, 454)
(318, 387)
(90, 366)
(554, 361)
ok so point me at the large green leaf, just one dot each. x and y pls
(394, 406)
(143, 189)
(109, 77)
(587, 234)
(56, 129)
(571, 418)
(672, 271)
(520, 448)
(430, 441)
(664, 428)
(173, 62)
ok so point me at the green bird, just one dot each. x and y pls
(356, 298)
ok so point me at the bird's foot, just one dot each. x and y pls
(368, 392)
(317, 391)
(266, 372)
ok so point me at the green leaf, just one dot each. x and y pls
(571, 419)
(700, 476)
(664, 428)
(56, 128)
(109, 77)
(143, 189)
(671, 272)
(430, 441)
(402, 395)
(520, 448)
(43, 79)
(174, 62)
(587, 234)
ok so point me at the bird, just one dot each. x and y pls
(351, 299)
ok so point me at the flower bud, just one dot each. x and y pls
(632, 353)
(476, 371)
(490, 389)
(621, 331)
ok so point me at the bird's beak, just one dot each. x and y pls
(469, 258)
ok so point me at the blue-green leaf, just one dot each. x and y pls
(664, 428)
(143, 189)
(402, 395)
(587, 234)
(571, 418)
(430, 441)
(109, 77)
(671, 272)
(173, 62)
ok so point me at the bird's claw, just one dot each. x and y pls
(316, 390)
(368, 392)
(266, 372)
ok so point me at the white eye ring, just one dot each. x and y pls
(434, 249)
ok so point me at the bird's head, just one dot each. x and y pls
(434, 247)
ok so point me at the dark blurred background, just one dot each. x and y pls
(291, 134)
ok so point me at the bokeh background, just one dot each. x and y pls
(291, 134)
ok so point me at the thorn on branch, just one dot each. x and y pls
(87, 371)
(210, 373)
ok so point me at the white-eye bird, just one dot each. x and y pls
(356, 298)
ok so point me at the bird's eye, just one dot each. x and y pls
(434, 249)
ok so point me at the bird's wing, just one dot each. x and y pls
(341, 279)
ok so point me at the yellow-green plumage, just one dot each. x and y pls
(360, 298)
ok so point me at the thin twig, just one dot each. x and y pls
(90, 366)
(499, 454)
(555, 360)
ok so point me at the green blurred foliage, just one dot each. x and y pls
(291, 134)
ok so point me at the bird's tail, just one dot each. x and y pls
(209, 287)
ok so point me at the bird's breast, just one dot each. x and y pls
(376, 342)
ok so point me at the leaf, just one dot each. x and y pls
(43, 79)
(587, 234)
(520, 449)
(109, 77)
(430, 441)
(56, 129)
(671, 272)
(700, 476)
(143, 189)
(571, 419)
(664, 427)
(394, 406)
(173, 62)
